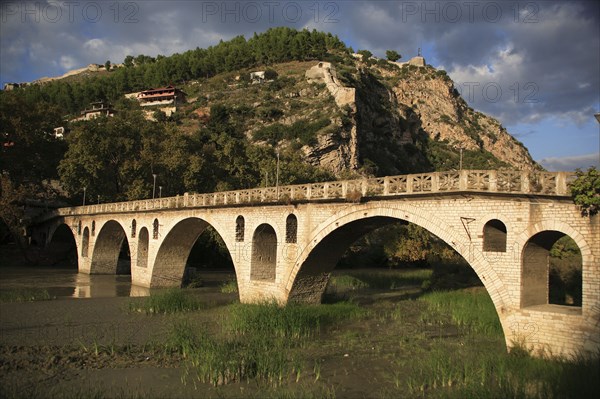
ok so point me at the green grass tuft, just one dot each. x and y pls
(173, 300)
(25, 295)
(229, 287)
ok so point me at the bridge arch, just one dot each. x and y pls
(107, 247)
(174, 250)
(329, 240)
(62, 243)
(535, 245)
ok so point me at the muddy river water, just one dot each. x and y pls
(68, 283)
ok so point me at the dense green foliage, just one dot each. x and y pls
(114, 158)
(303, 130)
(29, 154)
(29, 151)
(585, 190)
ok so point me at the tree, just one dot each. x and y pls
(105, 155)
(128, 62)
(366, 55)
(107, 65)
(392, 55)
(29, 152)
(585, 190)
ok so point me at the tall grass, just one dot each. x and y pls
(470, 309)
(173, 300)
(257, 342)
(475, 372)
(487, 374)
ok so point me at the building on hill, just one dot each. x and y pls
(59, 132)
(257, 77)
(161, 96)
(98, 108)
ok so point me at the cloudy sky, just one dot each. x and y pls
(534, 65)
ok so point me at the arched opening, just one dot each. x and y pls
(142, 249)
(133, 228)
(313, 276)
(79, 228)
(209, 262)
(62, 248)
(193, 252)
(111, 251)
(398, 244)
(93, 228)
(240, 226)
(494, 236)
(264, 254)
(551, 270)
(291, 229)
(85, 243)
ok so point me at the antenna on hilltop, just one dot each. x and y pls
(419, 52)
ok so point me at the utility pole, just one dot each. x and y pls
(277, 177)
(461, 159)
(154, 185)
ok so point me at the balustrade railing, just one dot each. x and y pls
(502, 181)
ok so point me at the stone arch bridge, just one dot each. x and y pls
(285, 241)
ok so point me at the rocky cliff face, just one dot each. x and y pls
(404, 119)
(444, 115)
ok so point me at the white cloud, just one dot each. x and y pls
(572, 162)
(68, 62)
(94, 45)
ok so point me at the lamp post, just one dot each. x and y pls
(461, 159)
(277, 177)
(159, 191)
(84, 189)
(154, 185)
(98, 199)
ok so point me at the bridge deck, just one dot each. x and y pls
(485, 181)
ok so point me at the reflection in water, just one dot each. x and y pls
(64, 283)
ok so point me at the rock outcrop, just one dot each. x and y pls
(393, 108)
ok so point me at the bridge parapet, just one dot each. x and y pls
(491, 181)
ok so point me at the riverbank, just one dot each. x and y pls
(366, 341)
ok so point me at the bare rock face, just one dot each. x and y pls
(392, 109)
(332, 153)
(335, 153)
(324, 72)
(444, 115)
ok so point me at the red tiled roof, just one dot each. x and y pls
(160, 89)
